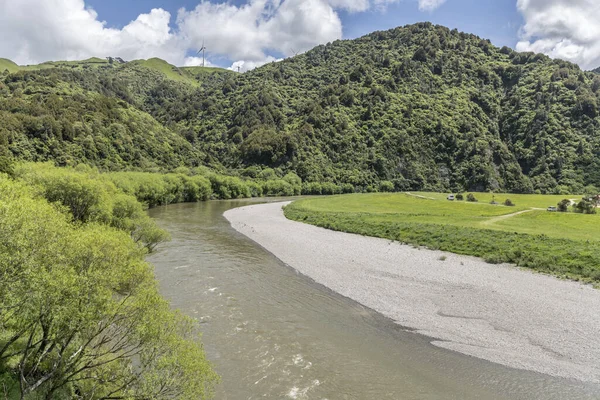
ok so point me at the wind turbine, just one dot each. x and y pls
(203, 49)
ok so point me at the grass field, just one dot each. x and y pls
(564, 244)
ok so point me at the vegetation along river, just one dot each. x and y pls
(273, 333)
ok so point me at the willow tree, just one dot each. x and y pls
(80, 313)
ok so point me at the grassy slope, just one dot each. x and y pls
(562, 244)
(189, 75)
(6, 64)
(170, 71)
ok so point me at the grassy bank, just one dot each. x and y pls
(563, 244)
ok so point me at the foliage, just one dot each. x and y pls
(585, 206)
(81, 313)
(509, 203)
(91, 197)
(563, 205)
(471, 198)
(560, 244)
(421, 106)
(459, 197)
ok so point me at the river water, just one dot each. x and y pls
(272, 333)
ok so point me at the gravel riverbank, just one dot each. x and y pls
(495, 312)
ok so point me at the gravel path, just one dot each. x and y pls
(496, 312)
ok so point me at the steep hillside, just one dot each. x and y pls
(73, 115)
(421, 106)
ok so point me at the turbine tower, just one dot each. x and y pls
(202, 49)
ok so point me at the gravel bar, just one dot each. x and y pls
(499, 313)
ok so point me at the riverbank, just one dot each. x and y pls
(495, 312)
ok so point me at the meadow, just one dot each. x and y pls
(563, 244)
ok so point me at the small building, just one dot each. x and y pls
(451, 197)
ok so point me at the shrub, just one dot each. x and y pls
(278, 187)
(7, 166)
(256, 189)
(347, 188)
(563, 206)
(459, 197)
(386, 186)
(509, 203)
(329, 188)
(313, 188)
(585, 207)
(471, 198)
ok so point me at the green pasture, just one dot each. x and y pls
(565, 244)
(521, 200)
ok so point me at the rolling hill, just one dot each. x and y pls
(419, 107)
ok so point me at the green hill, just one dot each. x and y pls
(8, 65)
(189, 75)
(421, 106)
(417, 107)
(89, 115)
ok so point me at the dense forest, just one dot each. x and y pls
(416, 107)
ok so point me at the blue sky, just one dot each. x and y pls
(250, 33)
(497, 20)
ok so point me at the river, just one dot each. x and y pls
(272, 333)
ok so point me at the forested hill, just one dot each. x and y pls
(420, 106)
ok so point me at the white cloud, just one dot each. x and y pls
(243, 66)
(41, 30)
(248, 32)
(34, 31)
(196, 62)
(351, 5)
(566, 29)
(430, 5)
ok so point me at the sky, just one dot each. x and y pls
(250, 33)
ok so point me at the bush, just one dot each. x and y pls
(229, 187)
(563, 206)
(459, 197)
(311, 188)
(386, 186)
(585, 207)
(278, 187)
(471, 198)
(347, 188)
(7, 166)
(509, 203)
(84, 305)
(329, 188)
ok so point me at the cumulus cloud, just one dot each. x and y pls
(41, 30)
(248, 32)
(197, 62)
(243, 66)
(430, 5)
(566, 29)
(34, 31)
